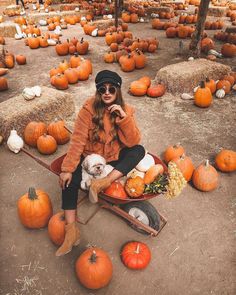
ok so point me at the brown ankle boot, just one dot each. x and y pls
(97, 185)
(71, 239)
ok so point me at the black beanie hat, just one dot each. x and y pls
(107, 76)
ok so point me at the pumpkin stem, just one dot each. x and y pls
(207, 163)
(207, 79)
(32, 194)
(93, 257)
(202, 84)
(137, 249)
(177, 145)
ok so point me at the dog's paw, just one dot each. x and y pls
(83, 185)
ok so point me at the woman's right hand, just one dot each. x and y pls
(65, 179)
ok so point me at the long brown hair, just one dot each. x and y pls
(99, 108)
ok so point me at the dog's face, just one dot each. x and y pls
(94, 164)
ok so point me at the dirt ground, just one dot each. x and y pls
(195, 251)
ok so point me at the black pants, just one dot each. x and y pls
(128, 159)
(22, 2)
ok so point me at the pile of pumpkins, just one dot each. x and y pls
(205, 177)
(7, 61)
(225, 37)
(203, 94)
(227, 49)
(77, 69)
(72, 46)
(46, 138)
(143, 87)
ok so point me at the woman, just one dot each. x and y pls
(105, 125)
(22, 2)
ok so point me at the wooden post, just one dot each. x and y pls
(194, 46)
(116, 12)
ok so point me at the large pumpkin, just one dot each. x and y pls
(205, 177)
(185, 165)
(34, 208)
(135, 255)
(138, 88)
(32, 132)
(172, 152)
(57, 130)
(56, 228)
(135, 187)
(226, 160)
(94, 268)
(116, 190)
(203, 96)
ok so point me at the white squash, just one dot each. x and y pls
(214, 52)
(145, 163)
(15, 143)
(42, 22)
(94, 33)
(220, 93)
(190, 58)
(18, 36)
(83, 18)
(52, 42)
(37, 90)
(186, 96)
(109, 16)
(133, 173)
(28, 94)
(76, 8)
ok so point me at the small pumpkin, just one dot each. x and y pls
(56, 228)
(82, 46)
(116, 190)
(94, 268)
(46, 144)
(172, 152)
(57, 130)
(228, 50)
(33, 131)
(156, 90)
(205, 177)
(203, 96)
(59, 81)
(224, 84)
(138, 88)
(152, 173)
(211, 84)
(135, 187)
(71, 75)
(3, 84)
(146, 80)
(225, 160)
(135, 255)
(21, 59)
(34, 208)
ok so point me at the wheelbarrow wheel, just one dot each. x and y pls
(144, 212)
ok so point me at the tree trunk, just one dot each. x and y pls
(116, 7)
(202, 14)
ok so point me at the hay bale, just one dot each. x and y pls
(231, 30)
(105, 23)
(16, 112)
(217, 11)
(7, 29)
(184, 76)
(43, 15)
(155, 10)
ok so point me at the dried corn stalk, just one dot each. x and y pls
(176, 181)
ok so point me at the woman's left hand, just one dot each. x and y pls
(118, 110)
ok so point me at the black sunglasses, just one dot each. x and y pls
(103, 89)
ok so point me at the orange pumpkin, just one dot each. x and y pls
(127, 63)
(94, 268)
(205, 177)
(207, 44)
(138, 88)
(226, 160)
(46, 144)
(57, 130)
(203, 96)
(156, 90)
(3, 84)
(139, 59)
(146, 80)
(71, 75)
(211, 84)
(224, 84)
(109, 57)
(116, 190)
(56, 228)
(172, 152)
(62, 48)
(59, 81)
(152, 173)
(185, 165)
(33, 131)
(82, 47)
(55, 71)
(228, 50)
(33, 43)
(75, 61)
(21, 59)
(135, 187)
(34, 208)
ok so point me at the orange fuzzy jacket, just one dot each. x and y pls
(81, 139)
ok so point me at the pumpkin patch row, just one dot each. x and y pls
(72, 46)
(77, 69)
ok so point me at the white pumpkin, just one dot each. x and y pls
(214, 52)
(94, 33)
(52, 42)
(18, 36)
(83, 18)
(220, 93)
(15, 143)
(190, 58)
(147, 162)
(133, 173)
(37, 90)
(42, 22)
(109, 16)
(28, 94)
(18, 29)
(76, 8)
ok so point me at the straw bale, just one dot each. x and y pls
(43, 15)
(151, 10)
(217, 11)
(184, 76)
(7, 29)
(16, 112)
(105, 23)
(231, 30)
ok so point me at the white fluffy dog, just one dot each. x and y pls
(93, 166)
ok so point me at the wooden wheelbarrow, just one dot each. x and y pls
(141, 215)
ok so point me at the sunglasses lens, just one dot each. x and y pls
(103, 89)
